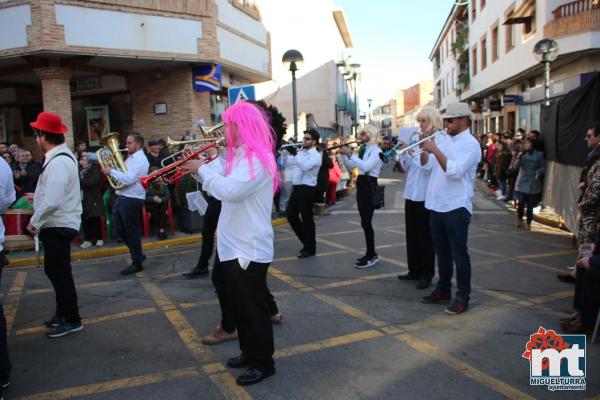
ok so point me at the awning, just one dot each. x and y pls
(524, 13)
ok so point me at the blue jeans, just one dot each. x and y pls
(127, 214)
(502, 184)
(449, 232)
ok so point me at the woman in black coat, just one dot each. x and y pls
(93, 209)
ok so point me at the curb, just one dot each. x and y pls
(113, 251)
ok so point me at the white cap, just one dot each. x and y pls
(455, 110)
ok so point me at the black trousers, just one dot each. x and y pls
(5, 365)
(300, 215)
(127, 213)
(419, 245)
(219, 279)
(209, 227)
(587, 294)
(57, 266)
(249, 295)
(91, 228)
(158, 212)
(364, 196)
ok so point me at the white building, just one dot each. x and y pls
(319, 31)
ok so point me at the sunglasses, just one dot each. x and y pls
(449, 120)
(308, 138)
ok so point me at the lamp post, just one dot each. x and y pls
(546, 51)
(369, 102)
(292, 60)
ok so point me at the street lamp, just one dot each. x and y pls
(369, 102)
(353, 74)
(546, 51)
(292, 61)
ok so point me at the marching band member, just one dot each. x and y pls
(369, 164)
(449, 200)
(245, 185)
(300, 205)
(419, 245)
(57, 218)
(127, 210)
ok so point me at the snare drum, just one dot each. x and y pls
(15, 230)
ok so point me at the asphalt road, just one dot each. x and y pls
(347, 333)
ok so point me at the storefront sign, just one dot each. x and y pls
(207, 78)
(512, 99)
(97, 84)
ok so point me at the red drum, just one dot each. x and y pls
(15, 229)
(16, 221)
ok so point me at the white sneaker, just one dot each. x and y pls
(85, 244)
(99, 243)
(502, 198)
(367, 263)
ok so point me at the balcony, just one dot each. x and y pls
(574, 17)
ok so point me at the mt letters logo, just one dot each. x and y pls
(556, 361)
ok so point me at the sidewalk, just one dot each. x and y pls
(26, 258)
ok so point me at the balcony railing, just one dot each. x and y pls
(574, 7)
(574, 17)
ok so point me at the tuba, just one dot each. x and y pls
(109, 156)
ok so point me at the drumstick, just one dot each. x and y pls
(37, 250)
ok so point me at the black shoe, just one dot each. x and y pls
(367, 262)
(306, 253)
(436, 297)
(238, 362)
(408, 277)
(132, 269)
(64, 329)
(3, 385)
(195, 273)
(53, 322)
(162, 235)
(567, 278)
(458, 306)
(253, 375)
(423, 284)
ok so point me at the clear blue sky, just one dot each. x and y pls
(392, 41)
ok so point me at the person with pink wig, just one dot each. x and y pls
(245, 183)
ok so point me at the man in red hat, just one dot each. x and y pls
(57, 218)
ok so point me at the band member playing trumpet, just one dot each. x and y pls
(127, 210)
(245, 184)
(419, 246)
(449, 200)
(369, 164)
(300, 206)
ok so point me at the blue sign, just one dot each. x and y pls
(241, 93)
(207, 78)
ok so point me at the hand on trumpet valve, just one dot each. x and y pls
(192, 166)
(345, 149)
(292, 150)
(428, 145)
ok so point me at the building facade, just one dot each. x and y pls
(123, 65)
(407, 101)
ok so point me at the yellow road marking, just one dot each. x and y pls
(350, 282)
(546, 254)
(292, 258)
(463, 367)
(224, 381)
(355, 251)
(81, 286)
(289, 280)
(118, 384)
(11, 303)
(354, 312)
(90, 321)
(327, 343)
(340, 233)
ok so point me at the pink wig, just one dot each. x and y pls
(255, 134)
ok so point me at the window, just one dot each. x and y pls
(481, 5)
(495, 42)
(483, 52)
(473, 10)
(529, 26)
(509, 30)
(474, 58)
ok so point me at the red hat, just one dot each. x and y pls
(49, 122)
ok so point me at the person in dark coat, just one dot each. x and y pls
(26, 173)
(93, 209)
(323, 175)
(157, 199)
(529, 181)
(501, 167)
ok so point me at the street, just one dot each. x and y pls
(347, 333)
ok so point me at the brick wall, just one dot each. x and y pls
(174, 87)
(577, 23)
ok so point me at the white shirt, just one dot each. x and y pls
(137, 166)
(290, 166)
(453, 189)
(7, 193)
(307, 164)
(370, 163)
(417, 176)
(57, 198)
(244, 230)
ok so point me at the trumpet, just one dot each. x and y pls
(414, 149)
(337, 146)
(297, 145)
(176, 143)
(172, 173)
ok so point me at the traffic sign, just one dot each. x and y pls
(241, 93)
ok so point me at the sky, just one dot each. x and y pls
(392, 42)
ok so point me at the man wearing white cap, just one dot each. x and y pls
(449, 200)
